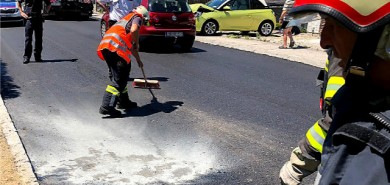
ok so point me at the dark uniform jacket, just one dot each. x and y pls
(357, 147)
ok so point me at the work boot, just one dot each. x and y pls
(26, 60)
(38, 58)
(110, 111)
(108, 105)
(125, 103)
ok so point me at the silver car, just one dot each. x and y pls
(9, 12)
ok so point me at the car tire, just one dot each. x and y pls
(266, 28)
(103, 28)
(187, 44)
(210, 27)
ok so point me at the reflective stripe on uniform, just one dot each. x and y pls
(316, 136)
(116, 45)
(334, 84)
(112, 90)
(124, 90)
(115, 36)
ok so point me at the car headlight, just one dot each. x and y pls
(197, 14)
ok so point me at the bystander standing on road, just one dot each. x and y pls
(284, 19)
(32, 12)
(118, 8)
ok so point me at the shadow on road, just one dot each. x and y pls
(8, 88)
(54, 61)
(154, 107)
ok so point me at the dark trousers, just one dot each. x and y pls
(119, 72)
(33, 25)
(118, 69)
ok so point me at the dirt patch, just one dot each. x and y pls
(8, 172)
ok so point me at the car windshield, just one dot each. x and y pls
(169, 6)
(215, 3)
(7, 1)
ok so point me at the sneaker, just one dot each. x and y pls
(110, 111)
(26, 60)
(128, 105)
(283, 47)
(291, 44)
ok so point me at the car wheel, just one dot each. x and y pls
(103, 28)
(266, 28)
(210, 27)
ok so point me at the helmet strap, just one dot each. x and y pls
(362, 55)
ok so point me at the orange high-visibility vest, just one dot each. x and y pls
(116, 39)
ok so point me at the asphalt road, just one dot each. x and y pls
(222, 116)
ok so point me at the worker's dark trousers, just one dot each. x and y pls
(33, 25)
(119, 72)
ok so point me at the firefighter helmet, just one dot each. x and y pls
(357, 15)
(143, 11)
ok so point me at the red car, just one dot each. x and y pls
(171, 22)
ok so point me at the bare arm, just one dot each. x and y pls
(282, 15)
(103, 6)
(134, 31)
(24, 15)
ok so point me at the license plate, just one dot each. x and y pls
(173, 34)
(5, 15)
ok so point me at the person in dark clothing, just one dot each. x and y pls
(32, 12)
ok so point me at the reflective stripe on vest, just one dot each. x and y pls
(333, 85)
(117, 40)
(124, 90)
(316, 136)
(112, 90)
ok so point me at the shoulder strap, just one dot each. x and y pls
(374, 133)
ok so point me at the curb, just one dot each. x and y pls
(22, 161)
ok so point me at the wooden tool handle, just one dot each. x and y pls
(143, 73)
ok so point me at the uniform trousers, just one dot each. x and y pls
(33, 25)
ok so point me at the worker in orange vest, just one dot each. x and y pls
(118, 44)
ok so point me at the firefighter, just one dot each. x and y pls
(356, 149)
(32, 13)
(119, 43)
(305, 158)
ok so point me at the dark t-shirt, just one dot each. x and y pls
(34, 6)
(135, 20)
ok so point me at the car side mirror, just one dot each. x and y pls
(226, 8)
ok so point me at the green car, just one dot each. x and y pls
(234, 15)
